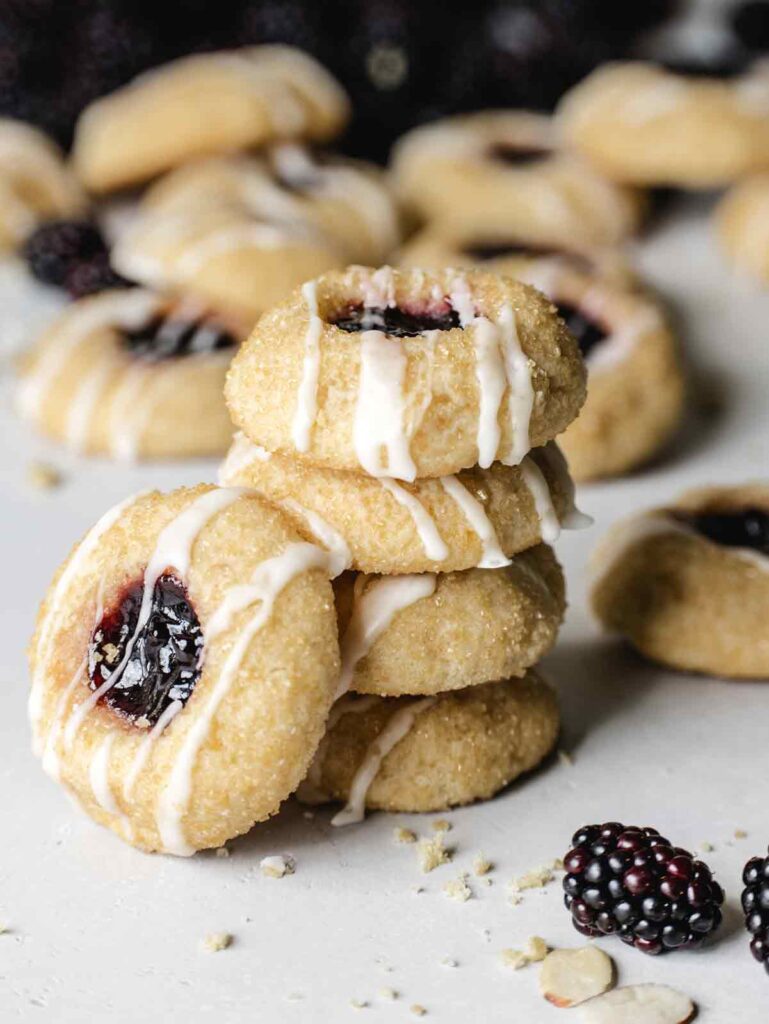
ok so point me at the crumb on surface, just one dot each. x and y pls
(359, 1004)
(432, 853)
(740, 833)
(309, 815)
(707, 847)
(4, 929)
(418, 1010)
(535, 950)
(481, 865)
(277, 866)
(441, 825)
(458, 889)
(217, 941)
(565, 758)
(389, 994)
(44, 476)
(536, 879)
(404, 835)
(295, 997)
(449, 961)
(222, 851)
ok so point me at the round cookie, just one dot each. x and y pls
(503, 172)
(35, 184)
(640, 124)
(688, 585)
(635, 391)
(431, 753)
(514, 255)
(183, 666)
(203, 105)
(348, 200)
(429, 633)
(407, 373)
(131, 374)
(478, 518)
(742, 223)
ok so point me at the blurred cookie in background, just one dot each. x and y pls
(132, 375)
(205, 104)
(742, 223)
(498, 171)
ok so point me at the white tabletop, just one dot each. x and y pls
(98, 931)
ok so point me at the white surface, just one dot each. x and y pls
(101, 932)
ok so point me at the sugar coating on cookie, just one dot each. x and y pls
(688, 584)
(476, 518)
(132, 374)
(435, 632)
(431, 753)
(35, 183)
(407, 373)
(499, 171)
(644, 125)
(183, 665)
(203, 105)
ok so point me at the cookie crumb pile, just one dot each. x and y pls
(405, 419)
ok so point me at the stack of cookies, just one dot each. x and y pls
(405, 421)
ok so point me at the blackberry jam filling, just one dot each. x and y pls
(165, 660)
(482, 251)
(398, 323)
(736, 528)
(518, 156)
(586, 331)
(168, 337)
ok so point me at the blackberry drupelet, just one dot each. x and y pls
(56, 247)
(628, 881)
(755, 903)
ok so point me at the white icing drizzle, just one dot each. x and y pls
(434, 545)
(351, 704)
(572, 518)
(130, 310)
(84, 402)
(57, 600)
(98, 775)
(401, 723)
(379, 289)
(267, 582)
(550, 526)
(307, 397)
(242, 454)
(146, 745)
(380, 408)
(340, 556)
(372, 613)
(501, 366)
(173, 550)
(49, 753)
(521, 400)
(492, 555)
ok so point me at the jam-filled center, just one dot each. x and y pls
(172, 336)
(395, 321)
(155, 665)
(587, 332)
(734, 528)
(518, 156)
(482, 251)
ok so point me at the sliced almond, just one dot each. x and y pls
(571, 976)
(639, 1004)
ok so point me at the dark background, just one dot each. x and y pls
(403, 62)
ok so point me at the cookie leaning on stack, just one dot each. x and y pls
(394, 416)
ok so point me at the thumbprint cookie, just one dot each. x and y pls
(131, 374)
(407, 373)
(688, 585)
(204, 105)
(183, 667)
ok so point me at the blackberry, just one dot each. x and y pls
(628, 881)
(58, 246)
(92, 276)
(155, 663)
(755, 903)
